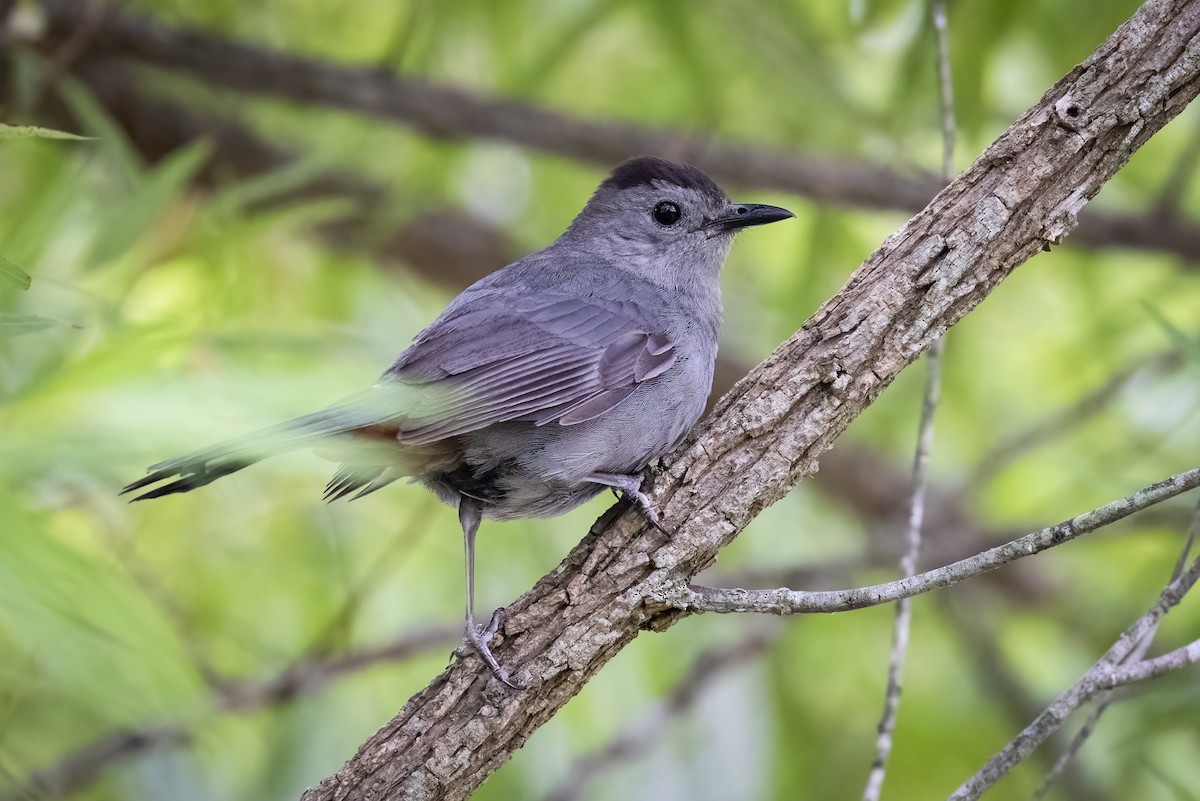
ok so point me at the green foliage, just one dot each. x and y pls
(14, 274)
(12, 325)
(16, 324)
(175, 305)
(34, 132)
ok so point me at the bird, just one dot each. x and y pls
(566, 373)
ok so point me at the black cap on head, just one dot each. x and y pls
(644, 170)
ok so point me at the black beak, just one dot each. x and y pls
(743, 215)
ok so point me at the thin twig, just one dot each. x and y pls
(785, 601)
(920, 473)
(1106, 674)
(992, 665)
(941, 31)
(639, 738)
(908, 566)
(1193, 534)
(446, 246)
(1102, 705)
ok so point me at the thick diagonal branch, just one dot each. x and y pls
(1020, 196)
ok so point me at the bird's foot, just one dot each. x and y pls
(479, 639)
(648, 507)
(631, 487)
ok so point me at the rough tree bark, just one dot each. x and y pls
(1021, 196)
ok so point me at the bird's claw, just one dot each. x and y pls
(479, 639)
(648, 508)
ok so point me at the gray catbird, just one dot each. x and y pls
(562, 374)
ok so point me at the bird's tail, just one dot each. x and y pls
(361, 431)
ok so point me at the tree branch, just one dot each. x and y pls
(453, 249)
(1107, 674)
(902, 624)
(1004, 687)
(785, 601)
(1023, 194)
(1136, 655)
(83, 766)
(445, 112)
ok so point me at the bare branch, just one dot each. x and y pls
(844, 388)
(1182, 657)
(448, 247)
(1005, 687)
(1193, 534)
(908, 567)
(1107, 674)
(1089, 726)
(80, 768)
(941, 25)
(444, 112)
(309, 675)
(920, 472)
(792, 602)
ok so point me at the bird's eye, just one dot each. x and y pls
(667, 213)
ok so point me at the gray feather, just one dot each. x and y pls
(546, 358)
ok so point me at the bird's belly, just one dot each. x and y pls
(508, 492)
(521, 470)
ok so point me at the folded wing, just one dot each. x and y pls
(563, 360)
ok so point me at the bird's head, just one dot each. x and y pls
(668, 222)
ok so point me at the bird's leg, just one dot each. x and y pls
(469, 515)
(631, 487)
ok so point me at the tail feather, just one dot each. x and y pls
(190, 478)
(363, 478)
(365, 413)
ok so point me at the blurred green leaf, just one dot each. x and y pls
(15, 325)
(113, 143)
(131, 218)
(245, 196)
(13, 273)
(34, 132)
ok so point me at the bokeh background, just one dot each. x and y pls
(218, 257)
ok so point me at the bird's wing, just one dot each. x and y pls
(554, 359)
